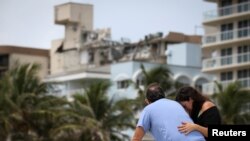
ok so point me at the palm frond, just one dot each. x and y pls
(231, 101)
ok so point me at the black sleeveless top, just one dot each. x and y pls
(209, 117)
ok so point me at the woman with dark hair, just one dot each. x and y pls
(200, 108)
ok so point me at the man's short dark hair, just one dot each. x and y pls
(154, 92)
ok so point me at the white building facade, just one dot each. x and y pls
(182, 59)
(226, 43)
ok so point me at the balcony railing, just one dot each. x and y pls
(69, 69)
(226, 61)
(228, 10)
(67, 92)
(227, 35)
(211, 88)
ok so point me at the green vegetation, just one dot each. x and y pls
(159, 75)
(27, 113)
(232, 103)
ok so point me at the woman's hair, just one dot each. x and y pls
(187, 92)
(154, 92)
(184, 93)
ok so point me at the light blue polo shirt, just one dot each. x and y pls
(162, 118)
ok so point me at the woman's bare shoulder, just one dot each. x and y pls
(207, 105)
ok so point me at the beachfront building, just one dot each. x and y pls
(226, 43)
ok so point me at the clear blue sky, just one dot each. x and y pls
(31, 22)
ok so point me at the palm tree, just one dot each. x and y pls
(112, 116)
(17, 85)
(75, 123)
(231, 101)
(6, 108)
(26, 113)
(23, 79)
(160, 75)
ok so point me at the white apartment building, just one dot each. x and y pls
(180, 53)
(226, 44)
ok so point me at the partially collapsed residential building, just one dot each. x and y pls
(85, 55)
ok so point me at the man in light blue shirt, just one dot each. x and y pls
(161, 117)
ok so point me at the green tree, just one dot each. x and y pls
(159, 75)
(16, 86)
(232, 103)
(26, 112)
(112, 116)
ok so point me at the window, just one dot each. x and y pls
(84, 37)
(199, 83)
(243, 54)
(226, 76)
(243, 77)
(140, 80)
(74, 27)
(243, 28)
(243, 5)
(103, 57)
(226, 56)
(210, 39)
(226, 7)
(155, 50)
(226, 52)
(225, 3)
(245, 73)
(227, 31)
(123, 84)
(4, 60)
(184, 81)
(90, 57)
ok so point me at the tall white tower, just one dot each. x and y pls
(76, 18)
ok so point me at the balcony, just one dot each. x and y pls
(211, 88)
(67, 93)
(218, 63)
(64, 92)
(226, 37)
(223, 13)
